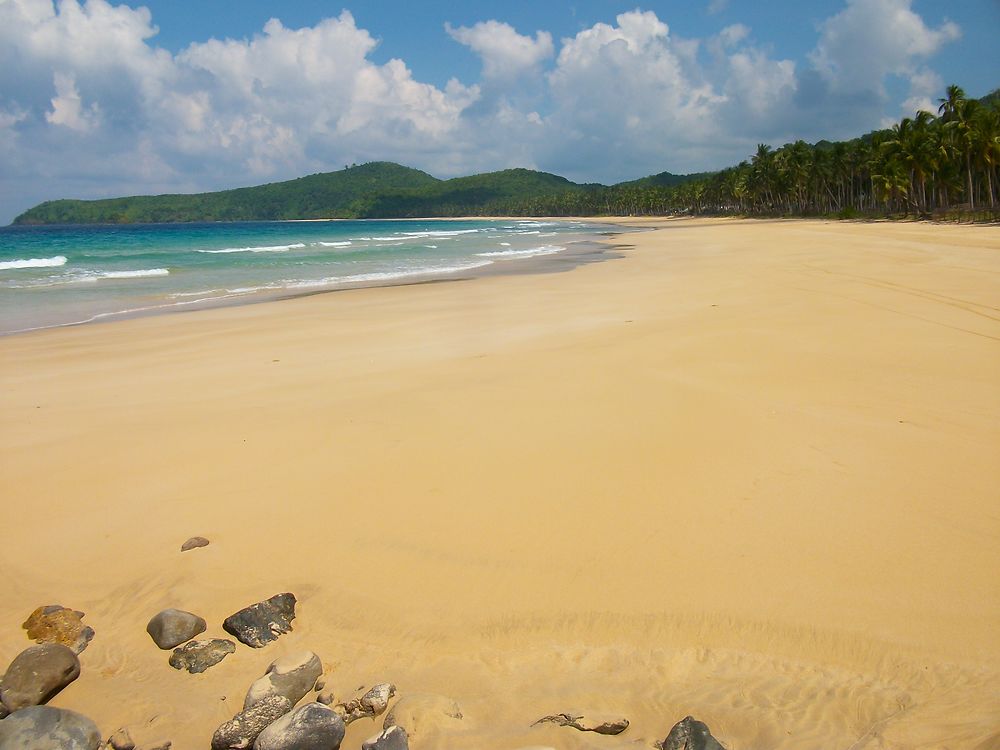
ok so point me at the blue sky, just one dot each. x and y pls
(101, 98)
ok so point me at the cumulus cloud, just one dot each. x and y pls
(871, 38)
(90, 106)
(505, 53)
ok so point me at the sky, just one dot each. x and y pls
(101, 98)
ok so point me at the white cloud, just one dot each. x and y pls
(869, 39)
(505, 53)
(90, 106)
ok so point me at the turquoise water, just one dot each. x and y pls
(52, 276)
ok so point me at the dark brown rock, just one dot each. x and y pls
(243, 729)
(309, 727)
(391, 738)
(261, 623)
(48, 728)
(197, 656)
(37, 674)
(172, 627)
(193, 543)
(690, 734)
(55, 623)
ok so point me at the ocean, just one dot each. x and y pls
(67, 275)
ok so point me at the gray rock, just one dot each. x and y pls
(690, 734)
(291, 676)
(393, 738)
(197, 656)
(121, 740)
(243, 729)
(36, 674)
(320, 684)
(368, 706)
(172, 627)
(326, 697)
(48, 728)
(419, 713)
(309, 727)
(599, 724)
(58, 624)
(193, 543)
(261, 623)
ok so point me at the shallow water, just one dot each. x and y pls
(63, 275)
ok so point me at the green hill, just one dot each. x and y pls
(375, 190)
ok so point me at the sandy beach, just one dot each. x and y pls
(749, 471)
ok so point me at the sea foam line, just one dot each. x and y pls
(261, 249)
(9, 265)
(529, 253)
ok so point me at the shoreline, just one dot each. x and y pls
(745, 472)
(576, 252)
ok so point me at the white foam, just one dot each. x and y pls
(385, 275)
(261, 249)
(440, 233)
(141, 274)
(335, 244)
(504, 244)
(529, 253)
(9, 265)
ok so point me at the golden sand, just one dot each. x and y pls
(749, 471)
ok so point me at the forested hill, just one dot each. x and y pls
(374, 190)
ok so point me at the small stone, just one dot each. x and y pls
(37, 674)
(320, 684)
(121, 740)
(243, 729)
(197, 656)
(417, 713)
(309, 727)
(591, 723)
(291, 676)
(690, 734)
(172, 627)
(325, 697)
(193, 543)
(161, 745)
(261, 623)
(48, 728)
(369, 705)
(58, 624)
(392, 738)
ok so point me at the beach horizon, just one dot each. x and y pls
(745, 470)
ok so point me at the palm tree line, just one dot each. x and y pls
(924, 166)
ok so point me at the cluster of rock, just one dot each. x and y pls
(271, 717)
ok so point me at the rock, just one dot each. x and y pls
(242, 730)
(309, 727)
(193, 543)
(291, 676)
(121, 740)
(58, 624)
(690, 734)
(161, 745)
(417, 713)
(197, 656)
(172, 627)
(369, 705)
(36, 674)
(325, 697)
(320, 684)
(593, 723)
(392, 738)
(48, 728)
(261, 623)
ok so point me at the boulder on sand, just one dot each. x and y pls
(48, 728)
(172, 627)
(36, 674)
(261, 623)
